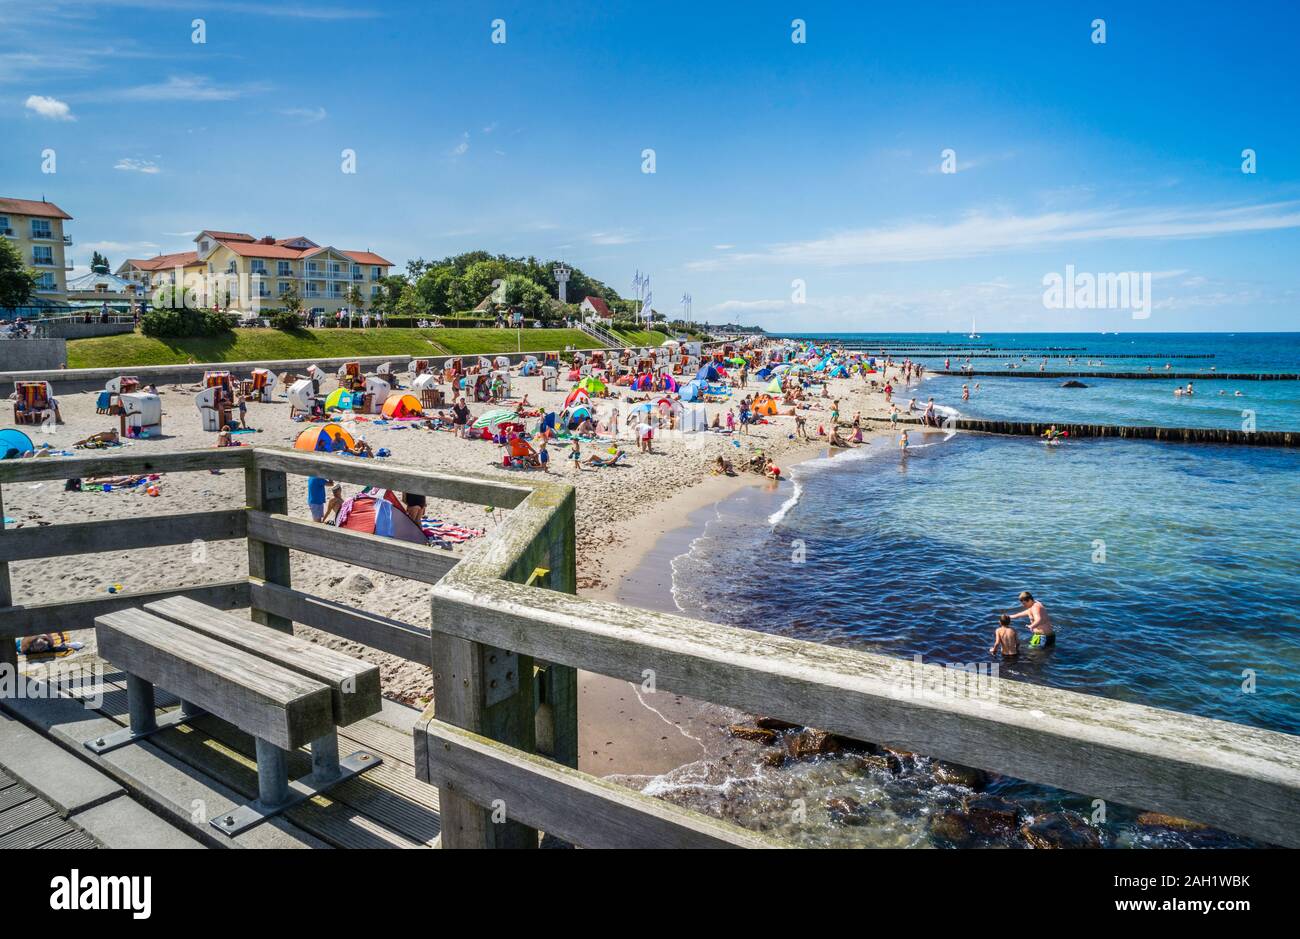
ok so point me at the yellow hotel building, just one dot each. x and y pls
(323, 275)
(36, 228)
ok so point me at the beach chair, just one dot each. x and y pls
(33, 402)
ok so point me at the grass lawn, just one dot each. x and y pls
(642, 337)
(248, 345)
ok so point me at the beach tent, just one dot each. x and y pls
(570, 418)
(577, 396)
(707, 373)
(765, 405)
(546, 423)
(13, 444)
(670, 383)
(494, 418)
(399, 405)
(327, 438)
(339, 400)
(592, 385)
(379, 512)
(763, 374)
(691, 391)
(774, 387)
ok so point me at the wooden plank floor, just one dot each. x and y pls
(386, 807)
(28, 821)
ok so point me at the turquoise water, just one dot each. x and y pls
(1169, 570)
(1272, 405)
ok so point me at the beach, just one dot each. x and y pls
(625, 515)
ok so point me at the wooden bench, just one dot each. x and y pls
(284, 691)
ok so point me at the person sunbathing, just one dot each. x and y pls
(103, 439)
(361, 448)
(610, 460)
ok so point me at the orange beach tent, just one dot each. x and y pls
(327, 438)
(399, 405)
(765, 405)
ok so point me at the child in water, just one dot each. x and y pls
(1005, 639)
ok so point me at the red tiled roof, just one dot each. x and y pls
(165, 260)
(598, 305)
(368, 257)
(258, 250)
(32, 207)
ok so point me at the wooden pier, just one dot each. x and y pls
(508, 636)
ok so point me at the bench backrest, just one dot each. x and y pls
(257, 696)
(353, 684)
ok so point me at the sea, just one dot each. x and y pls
(1169, 569)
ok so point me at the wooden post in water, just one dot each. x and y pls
(268, 490)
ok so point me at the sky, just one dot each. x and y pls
(796, 185)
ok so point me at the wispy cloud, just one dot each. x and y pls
(147, 167)
(305, 115)
(462, 146)
(978, 234)
(179, 88)
(612, 238)
(51, 108)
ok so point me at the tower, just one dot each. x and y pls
(562, 281)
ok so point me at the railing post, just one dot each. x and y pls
(8, 653)
(267, 490)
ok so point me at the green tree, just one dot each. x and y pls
(17, 283)
(356, 299)
(523, 294)
(99, 263)
(435, 288)
(292, 300)
(477, 282)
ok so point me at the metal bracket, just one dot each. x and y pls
(542, 574)
(500, 675)
(120, 738)
(252, 814)
(274, 485)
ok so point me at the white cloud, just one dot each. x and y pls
(136, 166)
(462, 147)
(51, 108)
(183, 88)
(305, 115)
(612, 238)
(979, 234)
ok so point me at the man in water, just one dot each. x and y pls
(1040, 623)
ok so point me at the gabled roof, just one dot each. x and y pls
(225, 235)
(32, 207)
(599, 305)
(162, 261)
(368, 257)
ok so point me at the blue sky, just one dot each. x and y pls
(775, 161)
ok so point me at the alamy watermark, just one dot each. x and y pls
(1125, 290)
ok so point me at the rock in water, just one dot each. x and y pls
(954, 774)
(992, 816)
(1156, 820)
(775, 723)
(950, 827)
(847, 811)
(811, 743)
(758, 734)
(1060, 830)
(1073, 384)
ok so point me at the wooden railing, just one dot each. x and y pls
(508, 635)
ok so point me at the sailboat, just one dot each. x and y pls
(973, 334)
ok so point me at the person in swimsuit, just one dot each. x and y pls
(1040, 623)
(1005, 639)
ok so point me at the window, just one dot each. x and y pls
(45, 281)
(231, 268)
(376, 273)
(42, 254)
(284, 288)
(284, 269)
(41, 228)
(259, 267)
(4, 226)
(374, 290)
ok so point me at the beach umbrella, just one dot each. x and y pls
(339, 400)
(496, 417)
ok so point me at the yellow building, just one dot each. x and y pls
(252, 274)
(36, 228)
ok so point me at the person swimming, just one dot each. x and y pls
(1005, 639)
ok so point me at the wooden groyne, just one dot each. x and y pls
(1141, 376)
(1029, 353)
(1213, 435)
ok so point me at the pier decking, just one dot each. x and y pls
(508, 635)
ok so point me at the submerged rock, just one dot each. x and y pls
(811, 743)
(847, 811)
(1073, 384)
(954, 774)
(1157, 820)
(951, 827)
(992, 816)
(1060, 830)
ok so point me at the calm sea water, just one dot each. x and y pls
(1168, 569)
(1273, 405)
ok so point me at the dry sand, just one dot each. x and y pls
(623, 513)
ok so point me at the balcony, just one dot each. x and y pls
(67, 239)
(38, 261)
(42, 235)
(6, 232)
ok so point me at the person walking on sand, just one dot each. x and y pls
(1040, 622)
(316, 497)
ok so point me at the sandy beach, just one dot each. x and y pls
(632, 520)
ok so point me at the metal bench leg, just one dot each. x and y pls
(274, 791)
(141, 710)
